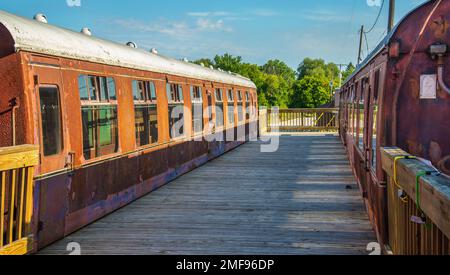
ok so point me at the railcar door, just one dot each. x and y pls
(49, 119)
(53, 139)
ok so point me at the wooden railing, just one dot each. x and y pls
(302, 120)
(16, 198)
(418, 206)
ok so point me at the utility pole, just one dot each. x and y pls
(391, 15)
(361, 33)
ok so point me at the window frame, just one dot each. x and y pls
(61, 130)
(174, 101)
(148, 101)
(247, 106)
(218, 101)
(231, 95)
(196, 93)
(240, 107)
(373, 115)
(95, 106)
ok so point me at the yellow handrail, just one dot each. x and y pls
(16, 198)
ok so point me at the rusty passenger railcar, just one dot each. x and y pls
(101, 113)
(399, 96)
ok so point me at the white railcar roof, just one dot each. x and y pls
(33, 36)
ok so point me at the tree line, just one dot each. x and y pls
(280, 85)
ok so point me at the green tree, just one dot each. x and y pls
(227, 62)
(276, 90)
(205, 61)
(277, 67)
(348, 72)
(310, 92)
(318, 68)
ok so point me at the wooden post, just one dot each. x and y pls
(361, 33)
(391, 15)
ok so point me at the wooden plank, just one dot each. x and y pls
(21, 203)
(20, 247)
(293, 201)
(11, 208)
(2, 206)
(29, 200)
(434, 192)
(18, 157)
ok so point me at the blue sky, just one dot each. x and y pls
(257, 30)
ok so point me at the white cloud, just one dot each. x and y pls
(212, 25)
(374, 3)
(177, 29)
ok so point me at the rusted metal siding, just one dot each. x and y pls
(71, 199)
(418, 126)
(11, 90)
(422, 124)
(66, 199)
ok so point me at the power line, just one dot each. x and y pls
(367, 43)
(377, 19)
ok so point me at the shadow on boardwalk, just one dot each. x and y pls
(294, 201)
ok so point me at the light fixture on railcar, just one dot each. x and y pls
(86, 31)
(132, 44)
(394, 49)
(40, 17)
(438, 51)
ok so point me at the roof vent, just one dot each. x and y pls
(202, 64)
(40, 17)
(154, 51)
(132, 44)
(86, 31)
(211, 67)
(185, 60)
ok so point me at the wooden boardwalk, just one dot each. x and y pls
(295, 201)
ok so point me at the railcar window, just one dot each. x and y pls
(50, 120)
(253, 110)
(111, 87)
(255, 104)
(145, 112)
(197, 109)
(82, 87)
(247, 105)
(374, 112)
(176, 110)
(355, 112)
(99, 115)
(210, 114)
(219, 108)
(231, 107)
(240, 108)
(93, 87)
(361, 107)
